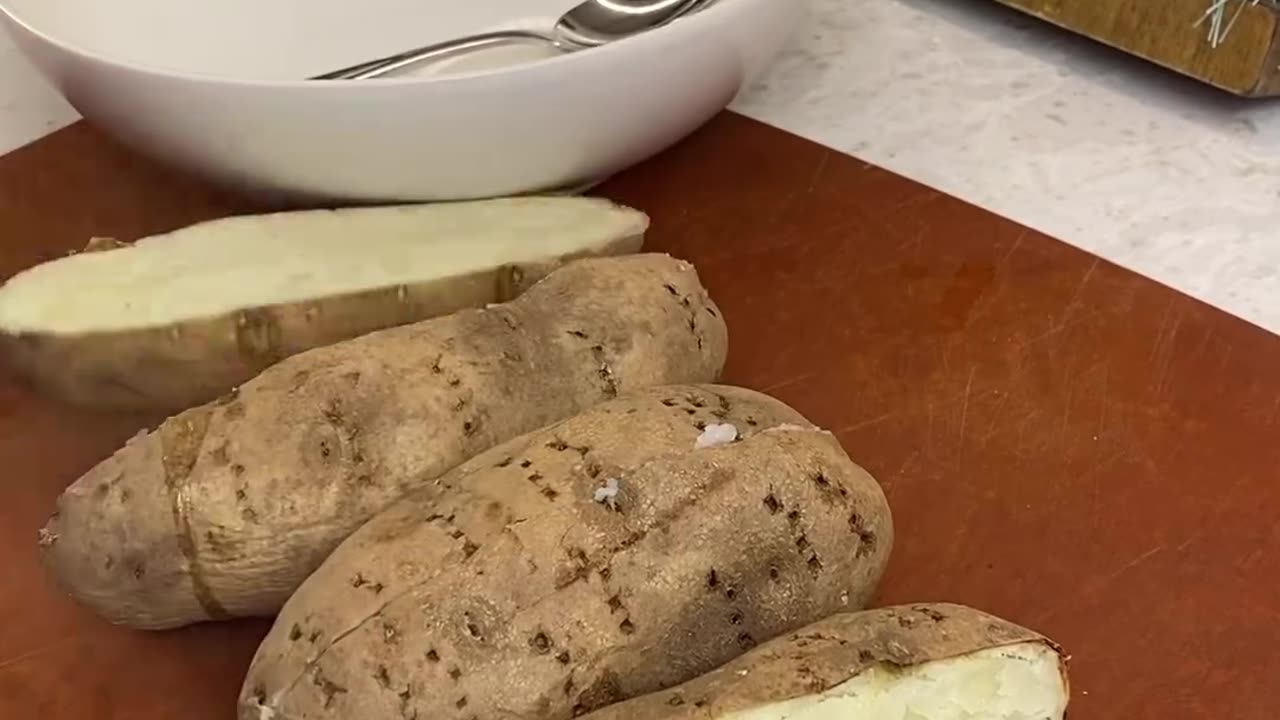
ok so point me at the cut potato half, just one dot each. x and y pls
(919, 662)
(1018, 682)
(174, 320)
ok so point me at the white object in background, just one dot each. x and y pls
(29, 107)
(179, 91)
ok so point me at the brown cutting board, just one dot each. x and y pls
(1064, 443)
(1245, 62)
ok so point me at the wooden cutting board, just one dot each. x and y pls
(1064, 443)
(1245, 62)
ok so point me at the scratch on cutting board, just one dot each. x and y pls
(36, 652)
(1195, 538)
(1109, 579)
(1084, 282)
(865, 423)
(1064, 430)
(1133, 564)
(1017, 243)
(928, 433)
(1057, 328)
(926, 196)
(1104, 398)
(1010, 381)
(1068, 321)
(1167, 332)
(1068, 317)
(994, 281)
(1162, 352)
(819, 172)
(1095, 472)
(771, 389)
(996, 425)
(915, 242)
(964, 408)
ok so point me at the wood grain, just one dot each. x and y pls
(1064, 443)
(1165, 32)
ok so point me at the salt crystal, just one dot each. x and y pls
(609, 493)
(716, 434)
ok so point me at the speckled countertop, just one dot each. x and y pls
(1154, 172)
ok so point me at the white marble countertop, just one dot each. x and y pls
(1143, 168)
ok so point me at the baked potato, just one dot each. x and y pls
(224, 509)
(921, 662)
(635, 546)
(175, 320)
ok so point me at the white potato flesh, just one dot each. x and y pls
(1017, 682)
(218, 267)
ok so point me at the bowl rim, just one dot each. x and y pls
(707, 17)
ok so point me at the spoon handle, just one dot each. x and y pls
(391, 63)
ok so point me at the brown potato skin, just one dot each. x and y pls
(507, 590)
(224, 509)
(826, 654)
(180, 366)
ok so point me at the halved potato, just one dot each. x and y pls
(918, 662)
(175, 320)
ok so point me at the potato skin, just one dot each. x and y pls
(824, 655)
(180, 366)
(509, 590)
(242, 498)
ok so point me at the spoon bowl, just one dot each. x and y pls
(596, 22)
(590, 24)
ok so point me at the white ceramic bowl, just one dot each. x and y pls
(214, 87)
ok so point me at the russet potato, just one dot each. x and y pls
(224, 509)
(629, 548)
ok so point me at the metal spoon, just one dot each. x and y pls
(589, 24)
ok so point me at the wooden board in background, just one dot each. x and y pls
(1164, 32)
